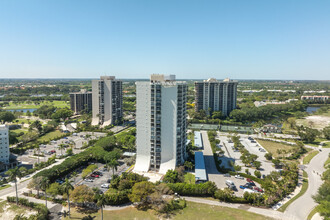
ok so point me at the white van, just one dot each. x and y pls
(229, 183)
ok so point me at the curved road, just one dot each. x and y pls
(301, 207)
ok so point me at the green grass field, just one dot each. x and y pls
(272, 147)
(26, 105)
(302, 191)
(50, 136)
(4, 186)
(193, 211)
(309, 157)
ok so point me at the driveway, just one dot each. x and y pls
(305, 204)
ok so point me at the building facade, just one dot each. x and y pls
(81, 101)
(212, 95)
(161, 124)
(107, 101)
(4, 144)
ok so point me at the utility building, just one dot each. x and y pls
(161, 123)
(107, 96)
(212, 95)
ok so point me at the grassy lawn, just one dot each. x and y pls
(272, 147)
(17, 131)
(312, 213)
(26, 105)
(310, 156)
(302, 191)
(50, 136)
(189, 178)
(192, 211)
(327, 162)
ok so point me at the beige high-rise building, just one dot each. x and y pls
(160, 123)
(212, 95)
(107, 101)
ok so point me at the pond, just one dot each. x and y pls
(22, 110)
(311, 109)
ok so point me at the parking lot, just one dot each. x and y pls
(102, 179)
(76, 140)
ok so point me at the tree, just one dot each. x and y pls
(6, 116)
(67, 187)
(307, 134)
(171, 176)
(101, 202)
(37, 147)
(189, 165)
(237, 168)
(257, 164)
(292, 122)
(257, 173)
(217, 115)
(44, 186)
(35, 183)
(326, 132)
(269, 156)
(15, 173)
(54, 189)
(82, 194)
(141, 192)
(113, 164)
(37, 125)
(61, 147)
(62, 113)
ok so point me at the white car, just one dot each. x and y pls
(105, 185)
(239, 177)
(89, 180)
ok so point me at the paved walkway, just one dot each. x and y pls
(301, 207)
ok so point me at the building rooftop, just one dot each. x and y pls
(198, 139)
(200, 171)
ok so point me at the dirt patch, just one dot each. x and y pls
(315, 121)
(10, 211)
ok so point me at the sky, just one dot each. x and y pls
(240, 39)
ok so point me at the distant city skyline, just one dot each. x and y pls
(280, 40)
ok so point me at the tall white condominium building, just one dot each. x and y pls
(212, 95)
(107, 101)
(161, 123)
(4, 144)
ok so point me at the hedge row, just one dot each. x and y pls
(184, 189)
(41, 209)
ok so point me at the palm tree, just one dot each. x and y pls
(44, 186)
(67, 186)
(37, 147)
(14, 174)
(114, 165)
(101, 202)
(61, 147)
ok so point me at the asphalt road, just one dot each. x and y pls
(301, 207)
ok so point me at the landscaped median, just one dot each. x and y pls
(309, 157)
(302, 191)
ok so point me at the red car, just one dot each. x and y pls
(249, 180)
(95, 176)
(258, 189)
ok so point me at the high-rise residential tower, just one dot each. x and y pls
(107, 99)
(81, 101)
(160, 123)
(212, 95)
(4, 144)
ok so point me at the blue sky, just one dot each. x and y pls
(246, 39)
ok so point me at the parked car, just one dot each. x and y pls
(226, 175)
(239, 177)
(98, 173)
(109, 180)
(249, 180)
(242, 187)
(59, 181)
(105, 185)
(89, 180)
(258, 189)
(94, 175)
(248, 186)
(251, 183)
